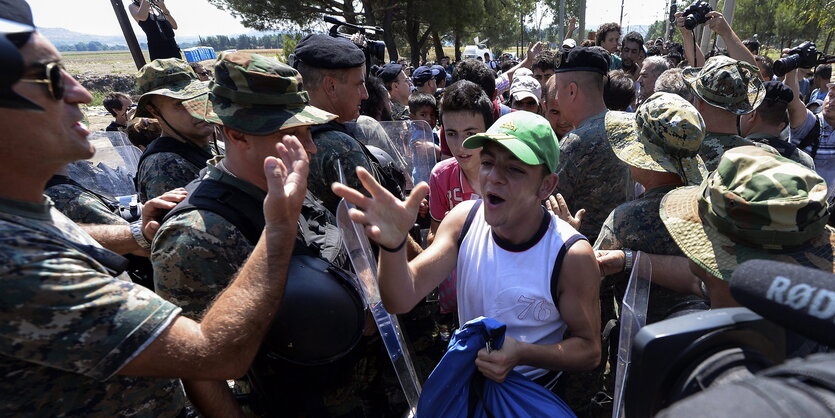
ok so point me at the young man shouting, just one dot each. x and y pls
(515, 261)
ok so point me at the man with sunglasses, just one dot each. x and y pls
(78, 338)
(177, 156)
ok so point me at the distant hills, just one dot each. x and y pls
(64, 37)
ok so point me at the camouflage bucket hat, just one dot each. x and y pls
(170, 77)
(727, 83)
(756, 205)
(664, 135)
(525, 86)
(256, 95)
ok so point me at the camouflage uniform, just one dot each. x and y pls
(68, 326)
(591, 176)
(715, 145)
(161, 172)
(82, 206)
(334, 144)
(399, 111)
(785, 148)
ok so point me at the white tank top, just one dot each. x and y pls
(512, 283)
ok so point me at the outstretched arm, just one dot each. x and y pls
(140, 13)
(695, 56)
(736, 49)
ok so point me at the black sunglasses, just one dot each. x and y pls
(54, 80)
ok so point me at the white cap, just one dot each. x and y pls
(525, 86)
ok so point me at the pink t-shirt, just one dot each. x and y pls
(447, 188)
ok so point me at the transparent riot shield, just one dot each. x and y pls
(633, 317)
(111, 170)
(410, 145)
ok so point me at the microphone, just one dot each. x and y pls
(798, 298)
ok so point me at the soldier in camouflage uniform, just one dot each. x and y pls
(165, 84)
(724, 89)
(661, 144)
(80, 204)
(591, 178)
(334, 75)
(76, 337)
(257, 101)
(750, 192)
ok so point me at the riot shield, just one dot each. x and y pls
(111, 170)
(365, 266)
(633, 317)
(410, 145)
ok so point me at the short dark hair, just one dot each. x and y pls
(506, 65)
(419, 100)
(752, 44)
(464, 95)
(824, 71)
(653, 51)
(634, 37)
(313, 76)
(113, 102)
(774, 111)
(544, 61)
(374, 106)
(477, 72)
(768, 63)
(618, 90)
(606, 28)
(141, 131)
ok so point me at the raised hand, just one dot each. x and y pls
(717, 23)
(558, 206)
(386, 218)
(286, 183)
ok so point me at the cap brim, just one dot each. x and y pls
(188, 91)
(720, 256)
(519, 95)
(516, 147)
(637, 151)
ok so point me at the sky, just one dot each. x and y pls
(198, 17)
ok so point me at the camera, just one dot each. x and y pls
(696, 14)
(804, 55)
(374, 50)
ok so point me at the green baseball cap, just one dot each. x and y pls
(256, 95)
(727, 83)
(170, 77)
(665, 135)
(756, 205)
(526, 135)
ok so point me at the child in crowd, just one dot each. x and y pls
(120, 106)
(465, 111)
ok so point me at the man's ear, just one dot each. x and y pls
(573, 89)
(235, 138)
(548, 185)
(329, 85)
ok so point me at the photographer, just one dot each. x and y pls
(717, 23)
(158, 24)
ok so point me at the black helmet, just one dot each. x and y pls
(321, 317)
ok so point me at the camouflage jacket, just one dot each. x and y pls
(67, 326)
(591, 175)
(637, 225)
(196, 253)
(398, 111)
(334, 145)
(82, 206)
(162, 172)
(785, 148)
(715, 145)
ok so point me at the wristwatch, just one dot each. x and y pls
(628, 259)
(136, 231)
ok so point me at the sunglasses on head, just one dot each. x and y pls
(54, 79)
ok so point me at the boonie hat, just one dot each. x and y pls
(526, 135)
(664, 135)
(255, 95)
(525, 86)
(169, 77)
(726, 83)
(756, 205)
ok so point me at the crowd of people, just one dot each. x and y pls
(552, 173)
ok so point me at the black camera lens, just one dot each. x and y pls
(690, 22)
(784, 65)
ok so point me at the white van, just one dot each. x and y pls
(476, 51)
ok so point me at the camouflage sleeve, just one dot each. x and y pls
(195, 255)
(607, 240)
(162, 172)
(81, 206)
(567, 167)
(60, 309)
(335, 147)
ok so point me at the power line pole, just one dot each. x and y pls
(706, 32)
(728, 12)
(562, 22)
(620, 22)
(127, 30)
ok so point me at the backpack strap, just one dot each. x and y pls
(190, 152)
(468, 222)
(813, 138)
(234, 205)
